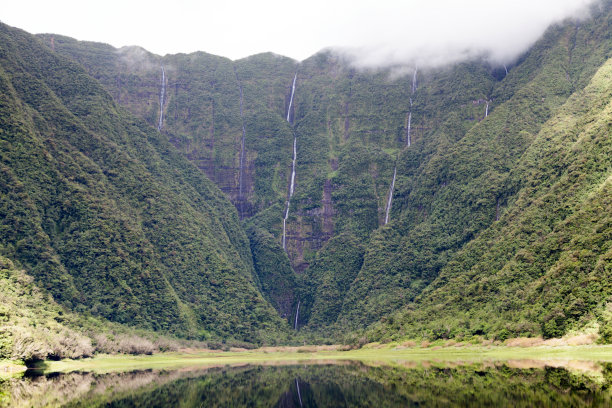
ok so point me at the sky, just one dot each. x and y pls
(372, 33)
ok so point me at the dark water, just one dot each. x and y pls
(509, 384)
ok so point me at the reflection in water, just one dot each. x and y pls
(297, 385)
(523, 383)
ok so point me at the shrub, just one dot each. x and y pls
(135, 345)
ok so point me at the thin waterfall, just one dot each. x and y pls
(162, 94)
(292, 180)
(408, 141)
(412, 91)
(497, 210)
(297, 385)
(291, 99)
(487, 109)
(506, 69)
(297, 315)
(241, 174)
(388, 210)
(408, 144)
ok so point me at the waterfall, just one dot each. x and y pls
(487, 109)
(291, 189)
(297, 385)
(241, 174)
(408, 141)
(291, 99)
(497, 210)
(241, 179)
(506, 69)
(297, 314)
(162, 94)
(412, 91)
(292, 185)
(388, 209)
(292, 180)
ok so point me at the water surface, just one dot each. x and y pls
(520, 383)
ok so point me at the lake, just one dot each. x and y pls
(511, 383)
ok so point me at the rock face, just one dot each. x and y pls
(356, 132)
(106, 215)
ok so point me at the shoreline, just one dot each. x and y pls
(375, 354)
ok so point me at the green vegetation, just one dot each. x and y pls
(33, 327)
(544, 267)
(373, 354)
(500, 225)
(461, 173)
(108, 217)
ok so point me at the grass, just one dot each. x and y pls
(10, 368)
(372, 354)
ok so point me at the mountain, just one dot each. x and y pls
(460, 145)
(209, 198)
(544, 267)
(107, 216)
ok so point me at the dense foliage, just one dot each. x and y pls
(105, 213)
(545, 266)
(499, 224)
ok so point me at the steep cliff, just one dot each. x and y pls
(444, 143)
(108, 216)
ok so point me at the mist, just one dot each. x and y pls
(434, 33)
(369, 33)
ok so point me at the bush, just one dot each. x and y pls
(605, 333)
(135, 345)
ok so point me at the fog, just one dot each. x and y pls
(372, 33)
(431, 33)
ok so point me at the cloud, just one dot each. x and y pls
(438, 32)
(372, 33)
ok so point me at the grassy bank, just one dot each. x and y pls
(10, 369)
(373, 354)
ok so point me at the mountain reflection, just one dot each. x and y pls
(522, 383)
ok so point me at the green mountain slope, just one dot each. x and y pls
(471, 178)
(460, 143)
(545, 266)
(108, 216)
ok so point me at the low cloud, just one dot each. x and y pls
(137, 59)
(372, 33)
(439, 32)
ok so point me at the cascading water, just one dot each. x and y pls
(291, 99)
(241, 173)
(412, 91)
(497, 210)
(408, 144)
(297, 315)
(506, 69)
(292, 181)
(162, 94)
(408, 141)
(388, 210)
(487, 109)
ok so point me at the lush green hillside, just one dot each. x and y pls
(545, 266)
(499, 212)
(107, 216)
(450, 196)
(34, 327)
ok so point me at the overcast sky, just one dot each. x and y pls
(374, 32)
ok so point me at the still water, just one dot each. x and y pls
(524, 383)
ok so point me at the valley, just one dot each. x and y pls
(267, 201)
